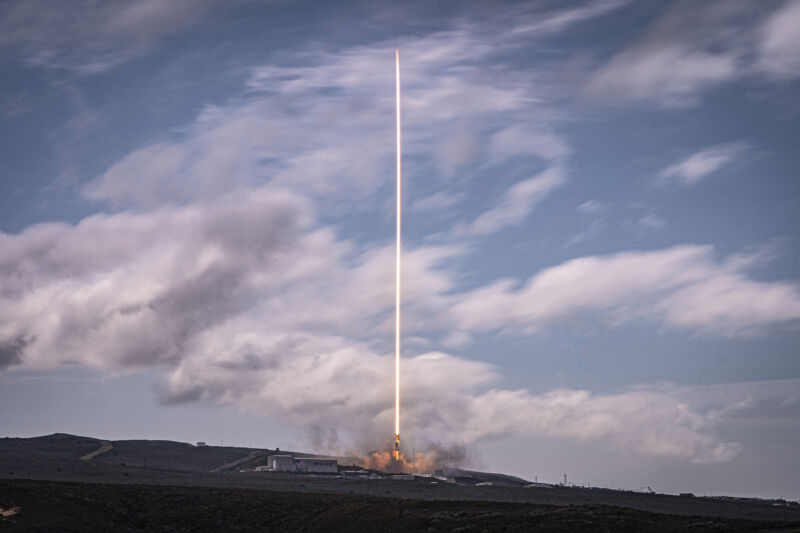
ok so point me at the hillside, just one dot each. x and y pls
(62, 458)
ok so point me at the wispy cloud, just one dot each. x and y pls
(517, 203)
(559, 20)
(86, 37)
(591, 206)
(651, 221)
(706, 162)
(437, 202)
(690, 49)
(318, 125)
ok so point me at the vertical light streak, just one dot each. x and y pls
(397, 258)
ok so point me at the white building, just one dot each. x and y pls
(281, 463)
(315, 464)
(288, 463)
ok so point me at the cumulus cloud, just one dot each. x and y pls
(247, 302)
(704, 163)
(643, 421)
(683, 287)
(134, 288)
(443, 395)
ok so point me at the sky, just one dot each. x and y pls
(600, 231)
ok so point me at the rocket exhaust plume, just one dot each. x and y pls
(396, 453)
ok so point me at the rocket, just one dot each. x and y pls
(396, 452)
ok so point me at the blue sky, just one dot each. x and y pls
(601, 255)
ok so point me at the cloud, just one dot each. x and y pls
(683, 287)
(87, 37)
(517, 203)
(668, 76)
(526, 140)
(437, 202)
(559, 20)
(11, 352)
(704, 163)
(457, 150)
(134, 288)
(779, 46)
(694, 47)
(345, 382)
(690, 49)
(594, 230)
(732, 305)
(247, 302)
(320, 122)
(591, 206)
(519, 200)
(651, 221)
(642, 421)
(443, 398)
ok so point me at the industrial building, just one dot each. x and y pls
(281, 463)
(315, 464)
(288, 463)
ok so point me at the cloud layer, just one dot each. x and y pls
(248, 302)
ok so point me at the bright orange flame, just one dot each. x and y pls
(387, 461)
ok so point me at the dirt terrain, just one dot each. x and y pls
(163, 485)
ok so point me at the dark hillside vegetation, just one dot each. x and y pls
(65, 506)
(63, 458)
